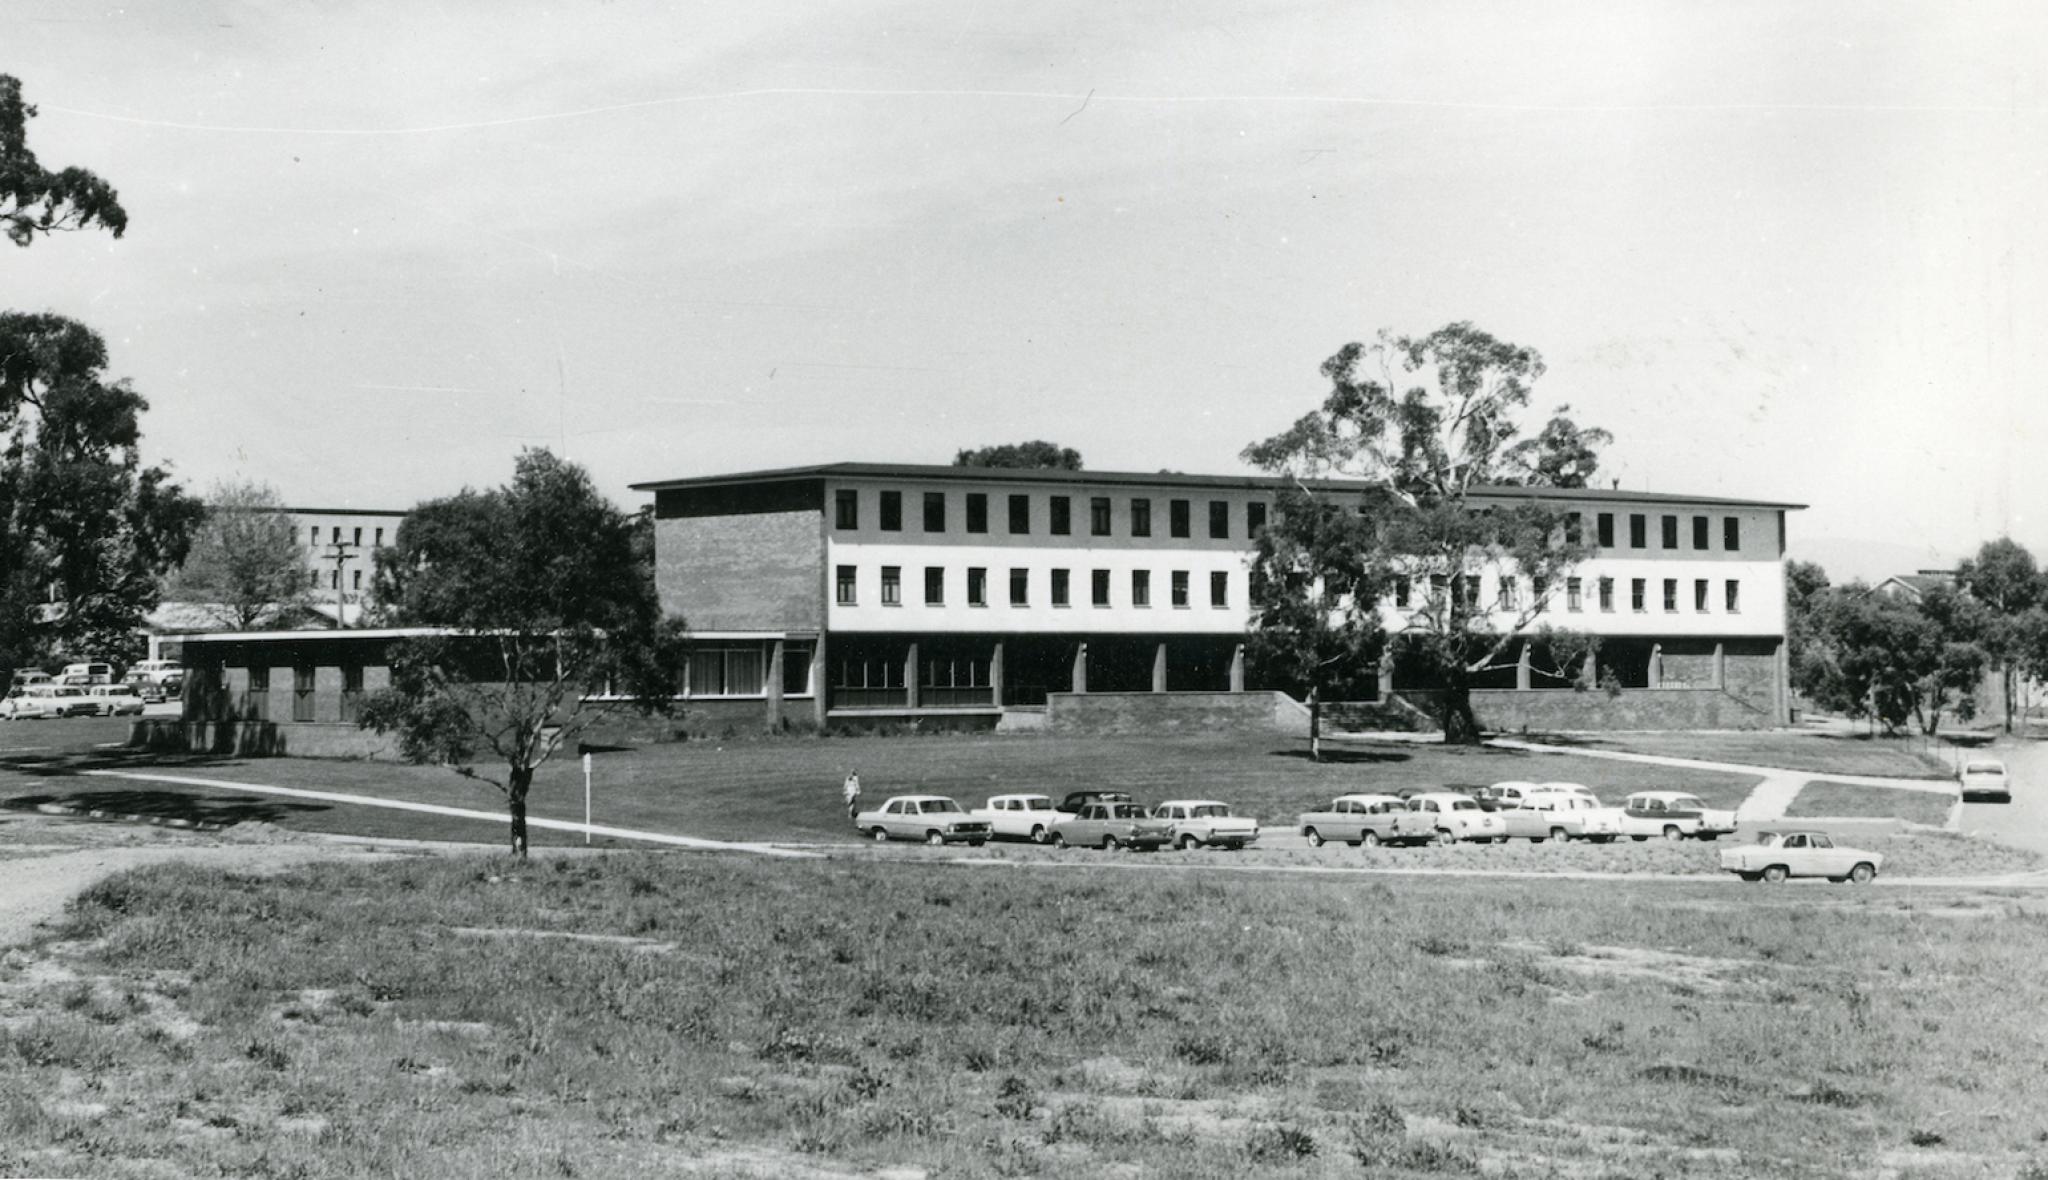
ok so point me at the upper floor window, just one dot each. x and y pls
(1670, 531)
(1141, 587)
(1574, 528)
(1699, 532)
(1180, 588)
(892, 585)
(1638, 592)
(1731, 532)
(380, 538)
(1573, 599)
(977, 586)
(846, 509)
(1060, 589)
(1254, 517)
(1141, 517)
(844, 583)
(1098, 516)
(1219, 588)
(1060, 516)
(1734, 597)
(1671, 594)
(1020, 587)
(1605, 525)
(358, 537)
(1507, 594)
(1020, 513)
(1402, 592)
(1099, 586)
(1699, 594)
(1177, 518)
(977, 512)
(1638, 531)
(1219, 519)
(934, 585)
(1607, 594)
(935, 512)
(892, 512)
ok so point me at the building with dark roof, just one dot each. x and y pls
(855, 592)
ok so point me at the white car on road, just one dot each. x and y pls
(1206, 823)
(1984, 778)
(1778, 855)
(1456, 817)
(1021, 817)
(1673, 815)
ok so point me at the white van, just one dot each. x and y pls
(89, 673)
(155, 671)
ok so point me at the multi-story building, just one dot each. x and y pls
(339, 542)
(853, 591)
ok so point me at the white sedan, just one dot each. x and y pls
(1984, 778)
(1022, 817)
(1778, 855)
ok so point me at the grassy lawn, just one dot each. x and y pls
(788, 789)
(647, 1015)
(1825, 798)
(1825, 753)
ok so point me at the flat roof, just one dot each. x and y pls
(935, 471)
(345, 511)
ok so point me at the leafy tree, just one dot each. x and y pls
(1804, 583)
(1428, 421)
(1036, 455)
(247, 565)
(2004, 578)
(554, 625)
(34, 200)
(1317, 582)
(1894, 660)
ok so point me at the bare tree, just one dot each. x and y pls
(247, 566)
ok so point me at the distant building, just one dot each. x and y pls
(853, 592)
(339, 543)
(1913, 587)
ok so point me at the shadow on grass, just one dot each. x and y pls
(191, 807)
(75, 761)
(1342, 756)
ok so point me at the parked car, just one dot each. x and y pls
(112, 700)
(23, 677)
(933, 819)
(1112, 825)
(1076, 800)
(150, 691)
(156, 671)
(1502, 796)
(1778, 855)
(1021, 817)
(1984, 778)
(1578, 814)
(1206, 823)
(1364, 819)
(1673, 815)
(1452, 817)
(90, 672)
(49, 700)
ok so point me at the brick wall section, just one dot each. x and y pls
(1509, 711)
(1174, 713)
(755, 572)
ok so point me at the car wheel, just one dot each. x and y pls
(1189, 843)
(1109, 844)
(1776, 874)
(934, 839)
(1671, 832)
(1752, 878)
(1639, 839)
(880, 835)
(1559, 835)
(1314, 838)
(1862, 873)
(976, 843)
(1444, 839)
(1369, 838)
(1038, 834)
(1058, 841)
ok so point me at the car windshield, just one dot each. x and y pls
(937, 805)
(1463, 805)
(1986, 768)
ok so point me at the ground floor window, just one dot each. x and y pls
(726, 671)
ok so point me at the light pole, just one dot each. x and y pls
(339, 552)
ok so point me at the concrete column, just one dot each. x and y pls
(772, 686)
(1237, 669)
(1386, 675)
(995, 675)
(1592, 672)
(1656, 665)
(1720, 665)
(910, 677)
(1781, 689)
(820, 690)
(1522, 670)
(1159, 668)
(1081, 667)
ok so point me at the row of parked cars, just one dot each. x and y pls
(1087, 819)
(1504, 811)
(90, 689)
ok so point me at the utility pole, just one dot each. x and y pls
(339, 552)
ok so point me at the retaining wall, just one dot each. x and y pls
(1174, 713)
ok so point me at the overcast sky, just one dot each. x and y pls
(1782, 250)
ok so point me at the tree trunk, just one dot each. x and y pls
(1461, 726)
(515, 797)
(1315, 722)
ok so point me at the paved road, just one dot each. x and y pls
(2022, 823)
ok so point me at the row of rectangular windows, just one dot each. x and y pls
(1639, 531)
(1574, 593)
(846, 509)
(313, 536)
(1060, 510)
(1179, 587)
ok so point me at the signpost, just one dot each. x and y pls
(586, 798)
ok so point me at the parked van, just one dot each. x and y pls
(155, 671)
(88, 673)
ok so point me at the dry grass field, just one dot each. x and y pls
(646, 1015)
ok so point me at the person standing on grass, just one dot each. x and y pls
(852, 793)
